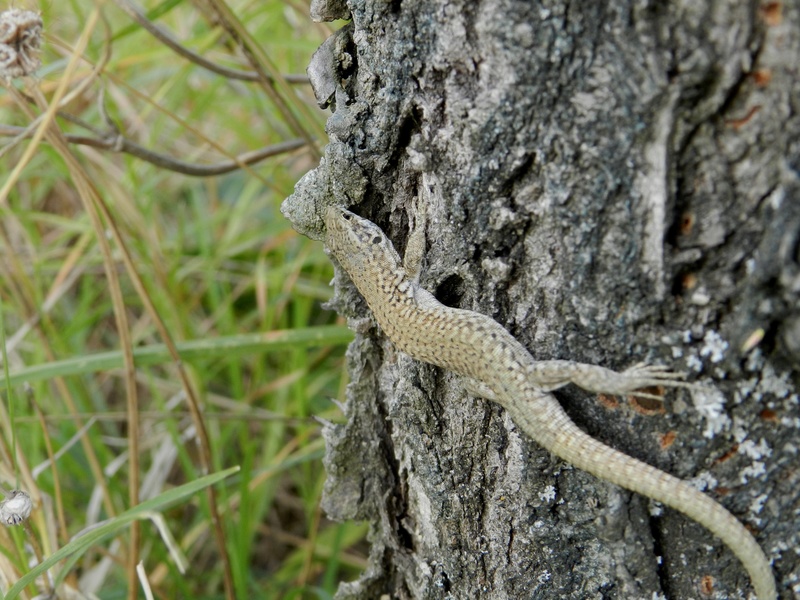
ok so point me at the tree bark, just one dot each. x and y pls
(614, 183)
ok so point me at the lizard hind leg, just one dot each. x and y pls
(550, 375)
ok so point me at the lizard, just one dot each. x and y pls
(495, 366)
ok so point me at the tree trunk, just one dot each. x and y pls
(612, 183)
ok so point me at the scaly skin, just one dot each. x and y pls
(501, 369)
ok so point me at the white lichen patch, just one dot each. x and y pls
(548, 495)
(714, 346)
(773, 383)
(755, 450)
(755, 470)
(744, 389)
(694, 363)
(538, 524)
(544, 577)
(710, 404)
(703, 481)
(757, 505)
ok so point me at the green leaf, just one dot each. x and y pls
(228, 346)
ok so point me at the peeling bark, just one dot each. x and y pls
(614, 184)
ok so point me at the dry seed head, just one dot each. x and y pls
(20, 42)
(15, 508)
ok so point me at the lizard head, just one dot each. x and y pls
(356, 242)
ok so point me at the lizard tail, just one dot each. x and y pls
(567, 441)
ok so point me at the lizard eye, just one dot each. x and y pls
(376, 239)
(346, 216)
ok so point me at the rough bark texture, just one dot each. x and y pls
(614, 184)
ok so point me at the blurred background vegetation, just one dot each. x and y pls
(119, 251)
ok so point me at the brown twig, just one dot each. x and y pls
(119, 143)
(268, 77)
(169, 40)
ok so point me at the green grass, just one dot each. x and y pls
(207, 263)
